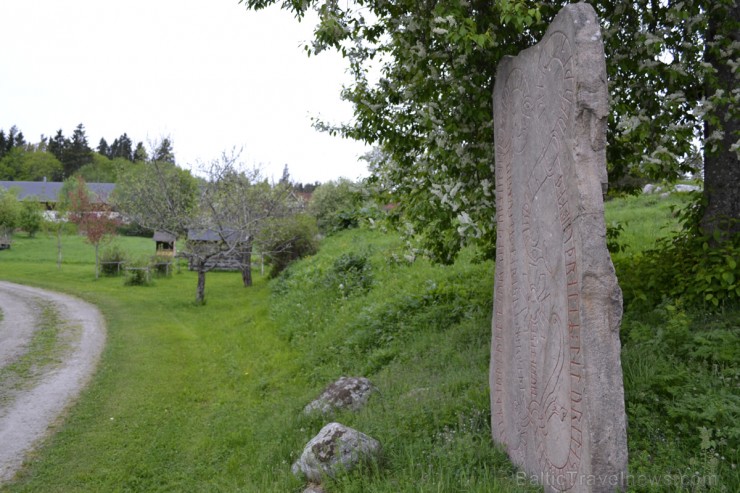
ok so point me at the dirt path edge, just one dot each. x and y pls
(32, 414)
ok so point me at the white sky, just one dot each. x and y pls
(209, 74)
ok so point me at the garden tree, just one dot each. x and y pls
(30, 218)
(162, 197)
(244, 205)
(422, 92)
(334, 204)
(76, 153)
(9, 211)
(91, 215)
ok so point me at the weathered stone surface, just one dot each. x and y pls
(336, 448)
(556, 379)
(346, 393)
(314, 488)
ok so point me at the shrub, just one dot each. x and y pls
(30, 218)
(162, 265)
(334, 204)
(350, 274)
(112, 260)
(137, 273)
(689, 266)
(290, 239)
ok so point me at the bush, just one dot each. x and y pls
(290, 239)
(162, 265)
(112, 260)
(137, 273)
(690, 267)
(350, 274)
(342, 205)
(30, 218)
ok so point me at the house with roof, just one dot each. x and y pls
(47, 192)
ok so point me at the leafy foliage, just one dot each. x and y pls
(93, 217)
(350, 274)
(112, 260)
(684, 267)
(289, 239)
(681, 374)
(9, 211)
(335, 205)
(422, 92)
(30, 218)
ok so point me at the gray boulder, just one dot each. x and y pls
(335, 449)
(686, 188)
(346, 393)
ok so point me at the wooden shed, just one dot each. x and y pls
(165, 243)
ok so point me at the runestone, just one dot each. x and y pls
(557, 397)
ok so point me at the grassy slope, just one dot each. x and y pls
(208, 398)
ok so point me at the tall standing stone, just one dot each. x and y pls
(556, 378)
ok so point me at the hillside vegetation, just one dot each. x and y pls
(209, 398)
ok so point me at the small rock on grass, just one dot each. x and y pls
(346, 393)
(336, 448)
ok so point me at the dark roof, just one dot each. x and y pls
(48, 191)
(213, 235)
(164, 237)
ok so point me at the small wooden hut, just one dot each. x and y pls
(165, 244)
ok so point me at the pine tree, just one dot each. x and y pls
(104, 148)
(140, 154)
(164, 153)
(122, 147)
(58, 145)
(78, 153)
(3, 143)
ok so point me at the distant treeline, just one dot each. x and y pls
(60, 157)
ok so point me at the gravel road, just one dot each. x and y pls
(28, 414)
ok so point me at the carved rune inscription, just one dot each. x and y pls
(548, 198)
(544, 300)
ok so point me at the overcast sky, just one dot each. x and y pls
(207, 73)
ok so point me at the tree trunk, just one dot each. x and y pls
(246, 263)
(59, 246)
(200, 293)
(721, 166)
(247, 270)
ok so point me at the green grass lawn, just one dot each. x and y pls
(209, 398)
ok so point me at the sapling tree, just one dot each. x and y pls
(92, 216)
